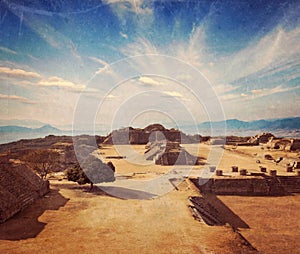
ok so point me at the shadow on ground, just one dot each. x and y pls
(124, 193)
(25, 224)
(228, 216)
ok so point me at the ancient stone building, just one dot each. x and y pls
(169, 153)
(262, 138)
(152, 132)
(19, 187)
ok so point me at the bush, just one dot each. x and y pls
(92, 170)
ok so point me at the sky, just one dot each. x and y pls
(107, 64)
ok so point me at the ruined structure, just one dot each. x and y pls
(279, 143)
(132, 135)
(262, 138)
(19, 187)
(295, 145)
(169, 153)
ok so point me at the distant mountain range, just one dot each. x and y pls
(20, 129)
(271, 125)
(29, 123)
(282, 126)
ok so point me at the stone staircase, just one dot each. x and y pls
(19, 187)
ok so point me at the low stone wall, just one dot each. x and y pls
(19, 187)
(257, 186)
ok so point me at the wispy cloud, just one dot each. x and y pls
(140, 47)
(173, 94)
(16, 98)
(9, 51)
(60, 82)
(258, 93)
(6, 72)
(270, 50)
(134, 6)
(149, 81)
(125, 36)
(22, 77)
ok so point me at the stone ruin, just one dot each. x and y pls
(169, 153)
(262, 138)
(139, 136)
(19, 187)
(261, 185)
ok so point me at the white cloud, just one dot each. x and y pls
(16, 98)
(17, 73)
(24, 78)
(125, 36)
(149, 81)
(173, 94)
(60, 82)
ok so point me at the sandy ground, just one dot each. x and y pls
(274, 221)
(70, 220)
(73, 219)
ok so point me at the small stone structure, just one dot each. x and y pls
(235, 168)
(243, 172)
(19, 187)
(212, 168)
(263, 169)
(219, 172)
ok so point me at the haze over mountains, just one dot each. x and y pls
(271, 124)
(12, 130)
(20, 129)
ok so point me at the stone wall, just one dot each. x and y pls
(259, 186)
(19, 187)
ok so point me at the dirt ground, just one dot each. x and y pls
(71, 219)
(274, 221)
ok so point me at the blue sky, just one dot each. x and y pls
(66, 62)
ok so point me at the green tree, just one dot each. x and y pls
(43, 161)
(91, 171)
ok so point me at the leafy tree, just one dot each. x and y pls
(91, 171)
(43, 161)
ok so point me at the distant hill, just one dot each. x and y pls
(271, 125)
(29, 123)
(19, 129)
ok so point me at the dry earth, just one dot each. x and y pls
(72, 219)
